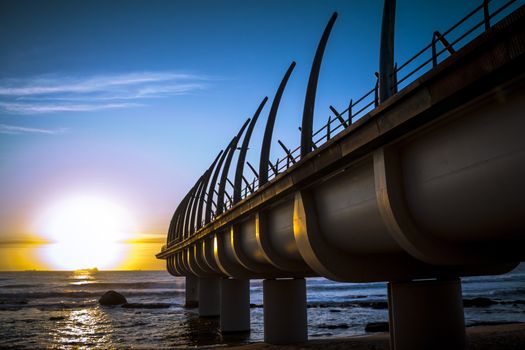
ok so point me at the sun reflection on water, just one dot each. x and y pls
(84, 328)
(83, 277)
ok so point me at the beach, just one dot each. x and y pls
(493, 337)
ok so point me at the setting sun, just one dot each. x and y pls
(85, 231)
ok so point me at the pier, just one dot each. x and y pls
(418, 183)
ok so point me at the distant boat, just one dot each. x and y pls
(89, 270)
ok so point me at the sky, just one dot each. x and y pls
(123, 104)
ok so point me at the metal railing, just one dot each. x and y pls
(427, 58)
(430, 55)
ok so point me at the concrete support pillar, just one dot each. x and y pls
(209, 297)
(192, 292)
(285, 318)
(235, 305)
(426, 315)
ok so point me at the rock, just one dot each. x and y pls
(112, 298)
(373, 327)
(478, 302)
(334, 326)
(57, 318)
(377, 305)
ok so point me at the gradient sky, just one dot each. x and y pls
(131, 100)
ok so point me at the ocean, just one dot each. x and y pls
(60, 309)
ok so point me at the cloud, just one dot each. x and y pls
(33, 108)
(56, 93)
(15, 130)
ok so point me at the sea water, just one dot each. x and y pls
(60, 309)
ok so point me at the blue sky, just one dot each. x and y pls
(133, 99)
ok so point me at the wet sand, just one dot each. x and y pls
(494, 337)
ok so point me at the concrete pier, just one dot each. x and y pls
(235, 305)
(209, 297)
(285, 319)
(192, 292)
(426, 315)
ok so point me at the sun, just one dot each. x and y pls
(85, 232)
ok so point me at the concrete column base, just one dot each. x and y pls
(235, 305)
(426, 315)
(192, 292)
(285, 319)
(209, 297)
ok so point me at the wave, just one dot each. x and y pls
(510, 292)
(383, 304)
(126, 285)
(14, 286)
(61, 306)
(319, 287)
(375, 304)
(7, 297)
(517, 277)
(42, 295)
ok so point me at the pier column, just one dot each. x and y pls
(209, 297)
(192, 292)
(235, 305)
(426, 315)
(285, 318)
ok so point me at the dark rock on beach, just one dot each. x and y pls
(334, 326)
(377, 305)
(374, 327)
(112, 298)
(478, 302)
(57, 318)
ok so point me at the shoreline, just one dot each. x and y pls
(508, 336)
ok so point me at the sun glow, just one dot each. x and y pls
(85, 231)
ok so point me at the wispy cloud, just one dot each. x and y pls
(78, 94)
(15, 130)
(30, 108)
